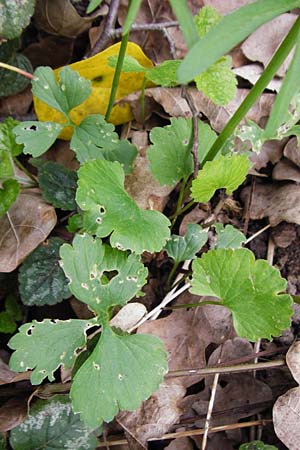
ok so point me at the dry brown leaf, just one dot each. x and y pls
(284, 234)
(8, 376)
(286, 418)
(50, 50)
(262, 44)
(276, 201)
(156, 415)
(180, 444)
(293, 360)
(286, 170)
(12, 413)
(271, 152)
(225, 7)
(252, 72)
(60, 152)
(16, 105)
(292, 151)
(60, 17)
(32, 219)
(173, 104)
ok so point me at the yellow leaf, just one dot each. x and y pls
(101, 75)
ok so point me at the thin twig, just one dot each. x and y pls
(146, 27)
(256, 234)
(199, 432)
(107, 34)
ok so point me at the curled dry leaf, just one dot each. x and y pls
(292, 151)
(29, 223)
(271, 152)
(54, 49)
(263, 43)
(277, 202)
(228, 6)
(12, 413)
(252, 72)
(286, 411)
(286, 170)
(9, 376)
(61, 18)
(16, 105)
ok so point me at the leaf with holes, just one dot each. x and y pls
(41, 279)
(252, 133)
(51, 423)
(226, 172)
(122, 371)
(8, 195)
(170, 153)
(58, 184)
(47, 345)
(37, 137)
(63, 95)
(14, 17)
(94, 138)
(108, 210)
(228, 236)
(99, 275)
(250, 289)
(181, 248)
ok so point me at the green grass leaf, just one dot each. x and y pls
(41, 279)
(47, 345)
(93, 5)
(52, 424)
(226, 172)
(231, 30)
(122, 371)
(181, 248)
(62, 95)
(228, 236)
(184, 16)
(170, 154)
(218, 82)
(58, 184)
(250, 289)
(37, 137)
(110, 211)
(101, 276)
(95, 138)
(8, 195)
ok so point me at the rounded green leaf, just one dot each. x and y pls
(14, 17)
(99, 275)
(47, 345)
(122, 371)
(52, 425)
(37, 137)
(41, 279)
(110, 211)
(250, 289)
(181, 248)
(228, 236)
(226, 172)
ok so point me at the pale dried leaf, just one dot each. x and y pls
(271, 152)
(180, 444)
(33, 219)
(286, 417)
(9, 376)
(16, 105)
(277, 202)
(225, 7)
(252, 72)
(128, 316)
(293, 360)
(292, 151)
(286, 170)
(263, 43)
(12, 413)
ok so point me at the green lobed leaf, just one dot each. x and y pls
(218, 82)
(58, 184)
(181, 248)
(130, 64)
(11, 82)
(52, 425)
(47, 345)
(170, 153)
(37, 137)
(8, 195)
(226, 172)
(122, 371)
(228, 236)
(88, 262)
(14, 17)
(252, 133)
(206, 19)
(257, 445)
(41, 279)
(250, 289)
(231, 30)
(164, 74)
(108, 210)
(95, 138)
(63, 95)
(6, 164)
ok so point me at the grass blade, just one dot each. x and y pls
(186, 21)
(231, 30)
(132, 12)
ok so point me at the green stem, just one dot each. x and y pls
(170, 277)
(184, 209)
(179, 201)
(117, 74)
(275, 63)
(16, 69)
